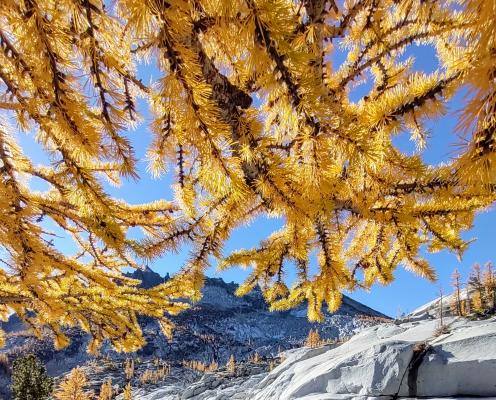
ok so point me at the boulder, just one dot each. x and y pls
(406, 360)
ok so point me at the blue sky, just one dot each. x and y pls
(405, 293)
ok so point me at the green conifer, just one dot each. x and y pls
(30, 380)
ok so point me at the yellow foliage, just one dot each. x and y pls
(106, 390)
(255, 358)
(313, 339)
(308, 151)
(476, 305)
(489, 283)
(127, 393)
(475, 283)
(155, 376)
(129, 369)
(201, 366)
(73, 386)
(231, 364)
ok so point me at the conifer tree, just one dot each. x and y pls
(475, 283)
(231, 364)
(127, 394)
(73, 387)
(106, 390)
(477, 303)
(456, 302)
(129, 369)
(489, 283)
(468, 300)
(313, 339)
(441, 308)
(30, 380)
(213, 366)
(306, 150)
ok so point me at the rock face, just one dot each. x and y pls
(404, 360)
(148, 277)
(212, 385)
(387, 361)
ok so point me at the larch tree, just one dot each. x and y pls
(489, 283)
(313, 339)
(73, 387)
(456, 305)
(129, 369)
(127, 393)
(254, 118)
(467, 304)
(231, 364)
(106, 390)
(477, 287)
(441, 309)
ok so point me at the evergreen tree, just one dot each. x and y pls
(30, 380)
(73, 387)
(306, 151)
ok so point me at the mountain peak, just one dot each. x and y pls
(221, 294)
(147, 276)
